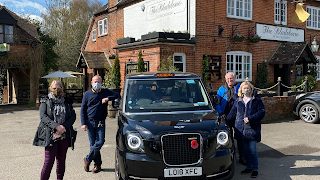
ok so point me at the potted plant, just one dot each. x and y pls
(112, 56)
(125, 40)
(253, 37)
(238, 37)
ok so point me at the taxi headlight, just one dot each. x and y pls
(222, 138)
(134, 142)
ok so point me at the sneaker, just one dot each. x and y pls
(254, 174)
(246, 171)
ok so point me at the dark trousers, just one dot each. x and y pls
(96, 134)
(57, 151)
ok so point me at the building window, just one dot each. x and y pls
(280, 12)
(179, 61)
(313, 22)
(239, 9)
(102, 27)
(317, 67)
(6, 34)
(94, 35)
(240, 63)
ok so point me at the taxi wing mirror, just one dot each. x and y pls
(215, 100)
(116, 104)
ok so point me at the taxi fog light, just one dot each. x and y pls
(135, 142)
(222, 138)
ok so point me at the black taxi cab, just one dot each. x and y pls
(168, 129)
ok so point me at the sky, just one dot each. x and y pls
(32, 8)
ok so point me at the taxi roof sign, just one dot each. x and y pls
(164, 74)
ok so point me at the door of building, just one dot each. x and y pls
(283, 71)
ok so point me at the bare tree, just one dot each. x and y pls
(67, 21)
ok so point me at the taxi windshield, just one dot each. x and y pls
(165, 95)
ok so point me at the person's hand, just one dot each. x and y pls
(105, 100)
(60, 129)
(84, 127)
(246, 120)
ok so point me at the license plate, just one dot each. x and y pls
(181, 172)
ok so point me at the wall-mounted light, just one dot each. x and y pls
(280, 66)
(220, 30)
(314, 45)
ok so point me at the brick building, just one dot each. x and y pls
(284, 45)
(20, 59)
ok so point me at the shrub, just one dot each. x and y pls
(167, 65)
(312, 82)
(205, 67)
(140, 63)
(262, 76)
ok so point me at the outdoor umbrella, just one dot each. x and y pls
(58, 74)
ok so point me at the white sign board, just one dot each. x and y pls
(278, 33)
(159, 15)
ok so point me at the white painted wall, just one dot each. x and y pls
(159, 15)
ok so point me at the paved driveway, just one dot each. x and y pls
(289, 150)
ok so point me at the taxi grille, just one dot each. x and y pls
(177, 149)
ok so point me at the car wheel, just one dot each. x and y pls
(309, 113)
(116, 167)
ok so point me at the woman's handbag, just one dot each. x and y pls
(73, 137)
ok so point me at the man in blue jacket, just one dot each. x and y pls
(226, 96)
(93, 114)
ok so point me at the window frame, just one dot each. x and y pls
(242, 54)
(317, 66)
(4, 34)
(313, 11)
(183, 55)
(94, 36)
(104, 27)
(281, 9)
(232, 11)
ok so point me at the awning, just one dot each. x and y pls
(293, 53)
(92, 60)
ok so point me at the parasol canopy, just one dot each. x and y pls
(58, 74)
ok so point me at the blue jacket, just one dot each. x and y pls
(92, 107)
(255, 112)
(223, 97)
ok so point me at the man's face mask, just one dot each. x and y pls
(96, 86)
(246, 91)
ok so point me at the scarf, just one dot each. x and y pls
(230, 92)
(58, 109)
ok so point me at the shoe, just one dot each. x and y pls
(246, 171)
(96, 169)
(86, 165)
(242, 160)
(254, 174)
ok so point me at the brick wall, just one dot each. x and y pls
(278, 108)
(209, 15)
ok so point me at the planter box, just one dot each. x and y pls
(178, 35)
(125, 41)
(154, 35)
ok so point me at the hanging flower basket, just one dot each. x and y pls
(238, 37)
(254, 38)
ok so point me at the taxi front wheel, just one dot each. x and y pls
(309, 113)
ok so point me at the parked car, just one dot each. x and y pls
(307, 107)
(168, 129)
